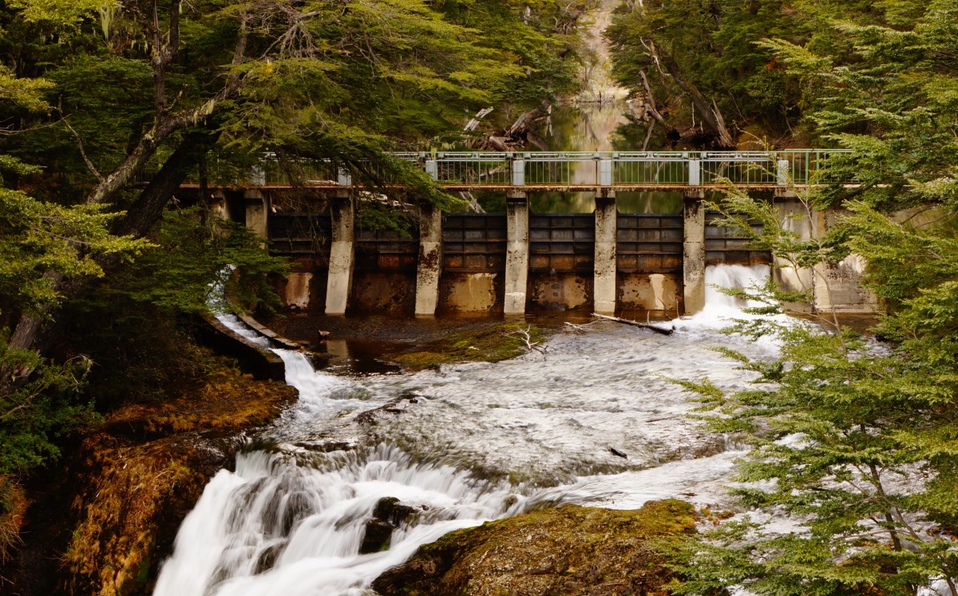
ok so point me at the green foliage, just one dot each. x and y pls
(59, 12)
(41, 242)
(882, 82)
(196, 253)
(46, 408)
(855, 441)
(712, 46)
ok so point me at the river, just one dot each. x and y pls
(461, 445)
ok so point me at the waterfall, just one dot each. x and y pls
(291, 519)
(281, 524)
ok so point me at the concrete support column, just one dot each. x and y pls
(517, 253)
(429, 266)
(256, 210)
(341, 253)
(795, 219)
(838, 286)
(693, 253)
(604, 286)
(218, 204)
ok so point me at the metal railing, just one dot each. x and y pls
(567, 170)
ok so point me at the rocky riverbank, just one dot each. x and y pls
(569, 550)
(103, 520)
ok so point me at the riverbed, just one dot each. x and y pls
(595, 419)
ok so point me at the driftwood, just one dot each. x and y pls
(649, 326)
(517, 136)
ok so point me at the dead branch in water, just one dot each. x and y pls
(649, 326)
(581, 327)
(526, 336)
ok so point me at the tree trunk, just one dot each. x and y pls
(38, 331)
(148, 208)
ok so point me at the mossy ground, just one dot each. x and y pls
(568, 550)
(13, 507)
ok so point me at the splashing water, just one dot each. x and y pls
(294, 525)
(457, 446)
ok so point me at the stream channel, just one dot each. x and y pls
(460, 445)
(472, 442)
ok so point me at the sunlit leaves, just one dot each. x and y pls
(41, 241)
(60, 12)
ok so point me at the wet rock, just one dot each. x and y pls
(395, 406)
(267, 558)
(618, 453)
(120, 494)
(387, 516)
(389, 509)
(576, 551)
(377, 537)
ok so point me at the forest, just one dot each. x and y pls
(106, 107)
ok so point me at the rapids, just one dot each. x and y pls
(461, 445)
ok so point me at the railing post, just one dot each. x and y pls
(782, 176)
(518, 170)
(605, 172)
(432, 169)
(695, 171)
(257, 176)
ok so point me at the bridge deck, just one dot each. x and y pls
(547, 171)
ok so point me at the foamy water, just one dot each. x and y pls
(595, 421)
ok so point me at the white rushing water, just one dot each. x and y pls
(459, 446)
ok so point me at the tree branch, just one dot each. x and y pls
(86, 159)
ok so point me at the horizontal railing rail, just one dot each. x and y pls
(552, 170)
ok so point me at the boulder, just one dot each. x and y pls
(570, 550)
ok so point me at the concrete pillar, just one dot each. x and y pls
(604, 286)
(517, 253)
(341, 253)
(256, 210)
(429, 266)
(838, 286)
(218, 204)
(297, 289)
(693, 253)
(795, 219)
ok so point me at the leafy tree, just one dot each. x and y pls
(855, 438)
(41, 243)
(698, 62)
(852, 440)
(885, 87)
(177, 81)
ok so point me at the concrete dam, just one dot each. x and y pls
(520, 261)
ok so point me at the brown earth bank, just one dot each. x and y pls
(102, 521)
(565, 551)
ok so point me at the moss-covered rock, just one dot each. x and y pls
(105, 518)
(494, 343)
(569, 550)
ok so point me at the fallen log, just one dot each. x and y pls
(649, 326)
